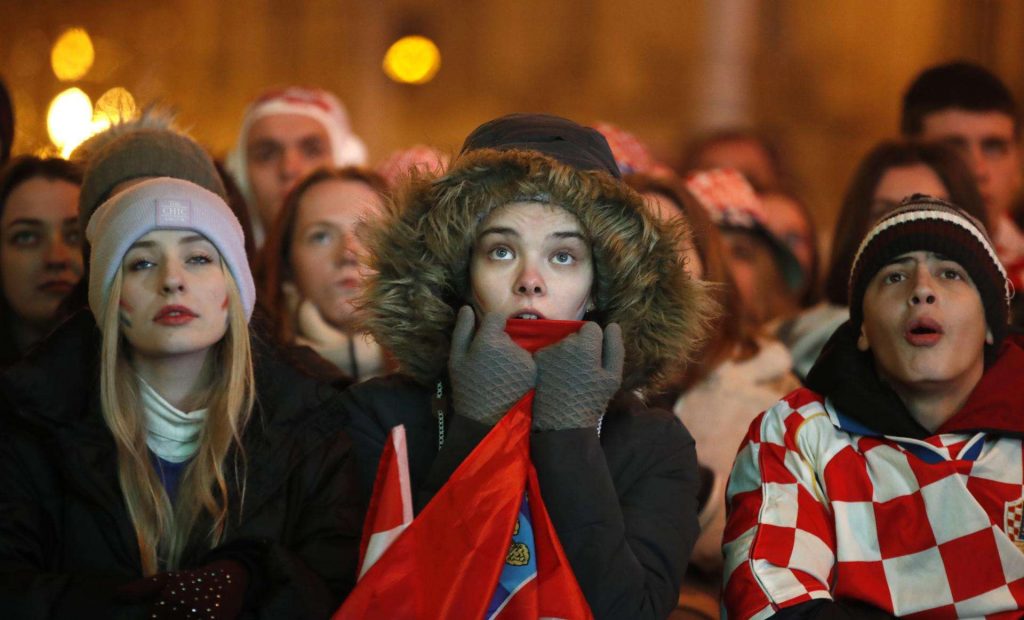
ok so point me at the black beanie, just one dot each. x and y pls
(924, 223)
(581, 147)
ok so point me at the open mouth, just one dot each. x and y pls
(923, 332)
(529, 316)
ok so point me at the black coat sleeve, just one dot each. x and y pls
(307, 572)
(29, 537)
(625, 511)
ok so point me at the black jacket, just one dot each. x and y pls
(624, 505)
(66, 540)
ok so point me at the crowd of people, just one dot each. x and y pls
(217, 379)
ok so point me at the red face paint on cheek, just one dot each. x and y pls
(224, 306)
(125, 305)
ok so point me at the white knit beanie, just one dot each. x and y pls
(160, 204)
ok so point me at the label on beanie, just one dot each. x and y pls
(173, 212)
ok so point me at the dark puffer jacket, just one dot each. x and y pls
(624, 505)
(66, 540)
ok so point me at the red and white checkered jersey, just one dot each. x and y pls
(821, 508)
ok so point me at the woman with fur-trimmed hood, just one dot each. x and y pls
(532, 223)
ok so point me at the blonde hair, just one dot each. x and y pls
(163, 530)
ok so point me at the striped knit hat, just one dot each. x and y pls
(924, 223)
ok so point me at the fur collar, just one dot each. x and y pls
(421, 252)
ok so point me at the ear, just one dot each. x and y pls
(989, 338)
(862, 341)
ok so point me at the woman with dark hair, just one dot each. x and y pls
(890, 172)
(40, 248)
(313, 268)
(530, 232)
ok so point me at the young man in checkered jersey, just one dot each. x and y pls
(894, 484)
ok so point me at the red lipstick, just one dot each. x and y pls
(175, 315)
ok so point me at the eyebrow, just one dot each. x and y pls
(27, 221)
(502, 230)
(191, 239)
(910, 259)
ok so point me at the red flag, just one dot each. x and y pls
(390, 510)
(446, 563)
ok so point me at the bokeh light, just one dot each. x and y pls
(69, 120)
(114, 106)
(72, 55)
(72, 119)
(412, 60)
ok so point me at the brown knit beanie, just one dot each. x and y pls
(141, 154)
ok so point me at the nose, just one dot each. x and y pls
(924, 290)
(978, 163)
(292, 165)
(58, 254)
(348, 250)
(173, 280)
(530, 282)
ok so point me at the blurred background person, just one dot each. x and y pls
(736, 375)
(286, 134)
(40, 248)
(315, 270)
(968, 107)
(767, 274)
(789, 220)
(755, 156)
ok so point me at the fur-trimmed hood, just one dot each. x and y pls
(421, 254)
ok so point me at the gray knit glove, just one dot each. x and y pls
(489, 372)
(576, 378)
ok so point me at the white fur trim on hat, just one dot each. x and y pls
(346, 147)
(159, 204)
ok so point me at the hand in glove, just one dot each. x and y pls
(489, 372)
(215, 591)
(576, 378)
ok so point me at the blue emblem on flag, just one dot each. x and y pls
(520, 563)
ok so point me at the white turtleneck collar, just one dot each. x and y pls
(172, 434)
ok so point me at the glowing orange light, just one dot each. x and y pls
(69, 120)
(114, 106)
(72, 55)
(412, 60)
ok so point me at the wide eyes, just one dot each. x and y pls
(501, 253)
(504, 253)
(563, 258)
